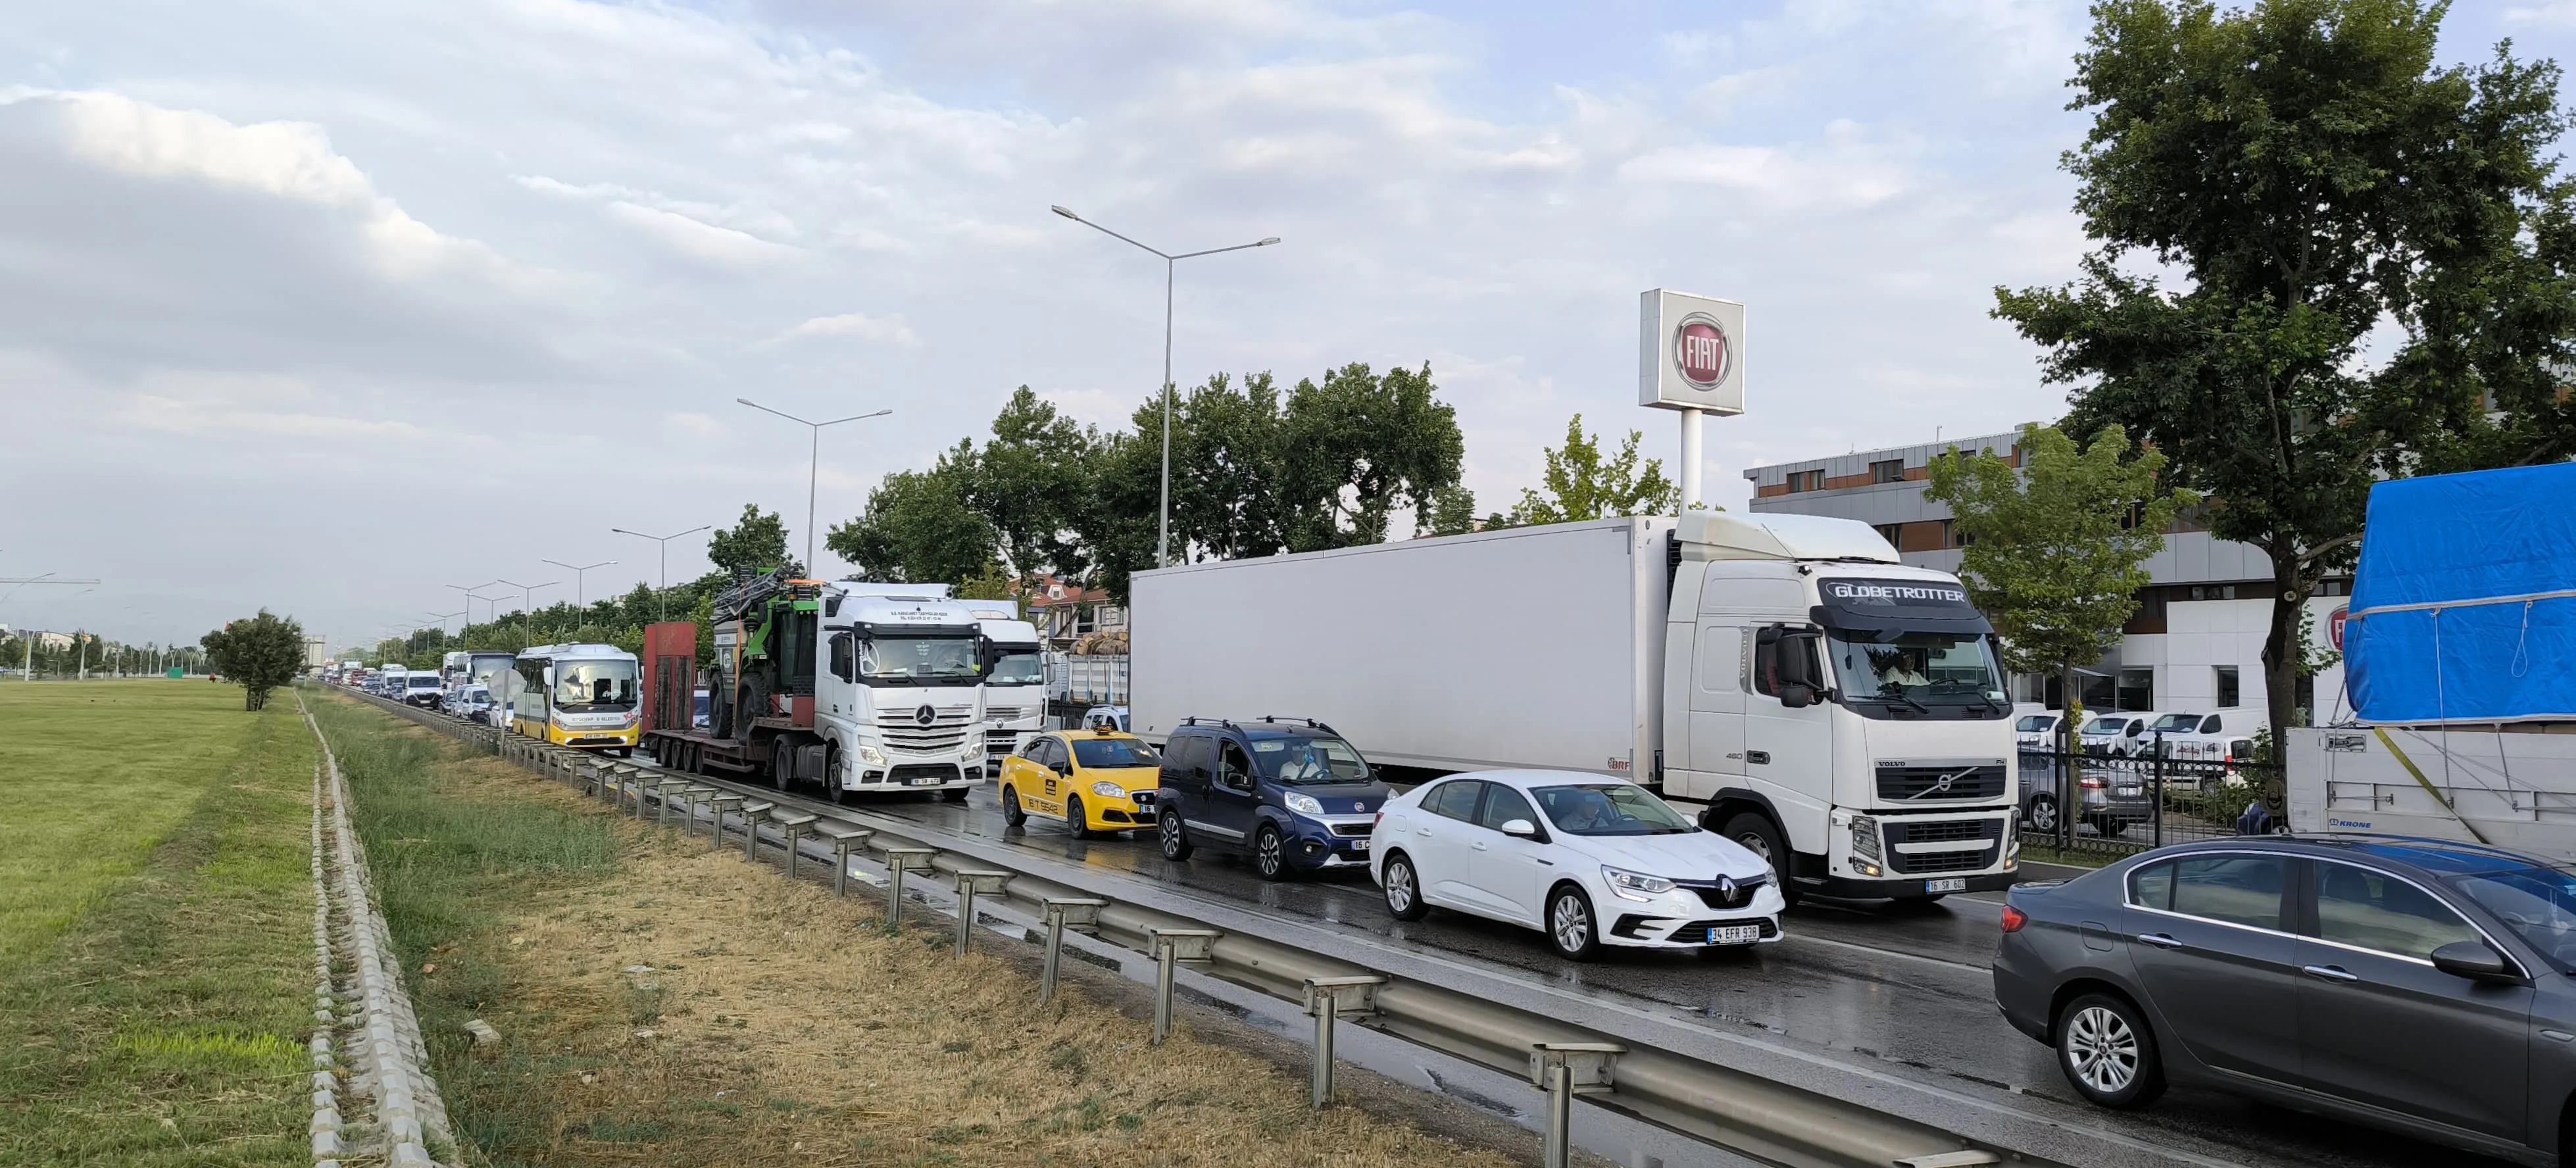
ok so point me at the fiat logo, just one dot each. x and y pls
(925, 715)
(1702, 351)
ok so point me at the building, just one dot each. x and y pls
(2196, 640)
(1067, 613)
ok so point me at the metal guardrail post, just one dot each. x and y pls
(662, 793)
(794, 823)
(898, 862)
(715, 827)
(1565, 1070)
(1327, 998)
(634, 779)
(752, 814)
(845, 839)
(1079, 912)
(971, 884)
(1171, 947)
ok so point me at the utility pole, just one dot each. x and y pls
(27, 664)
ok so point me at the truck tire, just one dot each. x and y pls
(1760, 836)
(832, 777)
(777, 775)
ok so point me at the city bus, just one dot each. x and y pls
(578, 695)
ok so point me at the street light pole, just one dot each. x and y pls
(580, 595)
(662, 606)
(813, 465)
(1163, 524)
(470, 598)
(527, 606)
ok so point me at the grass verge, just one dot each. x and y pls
(662, 1003)
(155, 941)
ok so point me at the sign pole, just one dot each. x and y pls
(1691, 446)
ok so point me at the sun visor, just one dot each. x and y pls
(1860, 604)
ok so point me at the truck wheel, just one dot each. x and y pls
(832, 776)
(1270, 854)
(1176, 843)
(1761, 837)
(777, 776)
(1011, 812)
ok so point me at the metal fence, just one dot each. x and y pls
(2116, 804)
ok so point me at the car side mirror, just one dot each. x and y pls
(2474, 961)
(1520, 828)
(1796, 695)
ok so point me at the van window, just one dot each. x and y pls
(2209, 725)
(1185, 758)
(1233, 770)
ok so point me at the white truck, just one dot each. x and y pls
(1786, 676)
(1015, 692)
(898, 697)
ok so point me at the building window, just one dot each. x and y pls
(2213, 592)
(1890, 532)
(2227, 693)
(2137, 687)
(1806, 480)
(1890, 471)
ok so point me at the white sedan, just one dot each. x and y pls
(1589, 861)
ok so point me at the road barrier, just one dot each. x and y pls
(1754, 1116)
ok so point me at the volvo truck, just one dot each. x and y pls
(1786, 677)
(1015, 692)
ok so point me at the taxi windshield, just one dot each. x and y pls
(1111, 753)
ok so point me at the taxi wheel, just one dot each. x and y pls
(1011, 813)
(1077, 822)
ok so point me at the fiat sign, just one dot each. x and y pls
(1691, 353)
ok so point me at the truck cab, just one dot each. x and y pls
(1837, 712)
(1015, 702)
(898, 701)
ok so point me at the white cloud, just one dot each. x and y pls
(853, 325)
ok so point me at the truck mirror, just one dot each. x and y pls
(1796, 695)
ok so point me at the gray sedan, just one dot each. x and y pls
(2418, 985)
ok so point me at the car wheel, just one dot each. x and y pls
(1176, 844)
(2108, 1053)
(1270, 854)
(1011, 812)
(1570, 926)
(1403, 889)
(1759, 836)
(1077, 822)
(2043, 813)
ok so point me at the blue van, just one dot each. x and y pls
(1291, 794)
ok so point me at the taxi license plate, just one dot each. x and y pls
(1734, 934)
(1952, 884)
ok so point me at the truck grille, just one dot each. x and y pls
(1922, 784)
(1988, 832)
(947, 730)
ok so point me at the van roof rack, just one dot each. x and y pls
(1274, 718)
(1228, 723)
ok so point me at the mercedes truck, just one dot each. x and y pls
(1784, 677)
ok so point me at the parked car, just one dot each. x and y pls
(1588, 860)
(2112, 793)
(2123, 735)
(1292, 795)
(1112, 717)
(2411, 984)
(1093, 780)
(2038, 731)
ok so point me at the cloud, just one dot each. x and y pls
(855, 325)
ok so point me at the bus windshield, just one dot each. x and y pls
(592, 686)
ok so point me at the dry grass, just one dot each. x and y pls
(778, 1025)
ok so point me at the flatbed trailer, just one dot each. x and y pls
(699, 752)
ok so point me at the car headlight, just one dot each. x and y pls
(1304, 804)
(871, 755)
(1865, 837)
(1108, 790)
(1631, 885)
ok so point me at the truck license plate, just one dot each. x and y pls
(1734, 934)
(1950, 884)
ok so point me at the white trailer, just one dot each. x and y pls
(1749, 665)
(2510, 787)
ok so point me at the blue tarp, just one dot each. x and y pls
(2464, 606)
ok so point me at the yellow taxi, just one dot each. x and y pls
(1093, 780)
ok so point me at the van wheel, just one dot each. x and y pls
(1270, 854)
(1176, 842)
(1761, 837)
(1011, 812)
(1403, 889)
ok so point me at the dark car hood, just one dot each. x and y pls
(1345, 798)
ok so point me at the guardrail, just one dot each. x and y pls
(1754, 1116)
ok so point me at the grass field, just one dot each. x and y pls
(155, 938)
(661, 1003)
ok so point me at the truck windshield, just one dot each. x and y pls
(1015, 665)
(594, 685)
(1297, 761)
(901, 660)
(1911, 674)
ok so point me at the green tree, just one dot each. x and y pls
(2307, 174)
(260, 653)
(1031, 484)
(757, 542)
(1452, 511)
(920, 526)
(1582, 485)
(2056, 550)
(1357, 446)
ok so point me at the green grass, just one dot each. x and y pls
(155, 926)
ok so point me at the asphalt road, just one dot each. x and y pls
(1905, 986)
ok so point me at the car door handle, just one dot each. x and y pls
(1480, 845)
(2558, 1036)
(2335, 973)
(2160, 940)
(1421, 831)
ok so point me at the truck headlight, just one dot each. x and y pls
(1108, 790)
(1303, 804)
(871, 755)
(1864, 831)
(1630, 885)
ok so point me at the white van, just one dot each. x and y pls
(2120, 735)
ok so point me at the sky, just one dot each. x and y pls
(326, 305)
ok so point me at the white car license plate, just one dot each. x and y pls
(1950, 884)
(1734, 934)
(2129, 792)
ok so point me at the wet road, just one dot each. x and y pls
(1904, 986)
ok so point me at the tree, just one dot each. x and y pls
(1357, 447)
(2307, 174)
(1580, 485)
(2056, 551)
(1031, 483)
(757, 542)
(920, 527)
(1452, 512)
(260, 653)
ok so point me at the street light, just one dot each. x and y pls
(527, 607)
(470, 597)
(580, 598)
(1163, 528)
(662, 608)
(813, 465)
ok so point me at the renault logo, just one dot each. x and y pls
(925, 715)
(1726, 887)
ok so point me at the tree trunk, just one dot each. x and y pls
(2281, 643)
